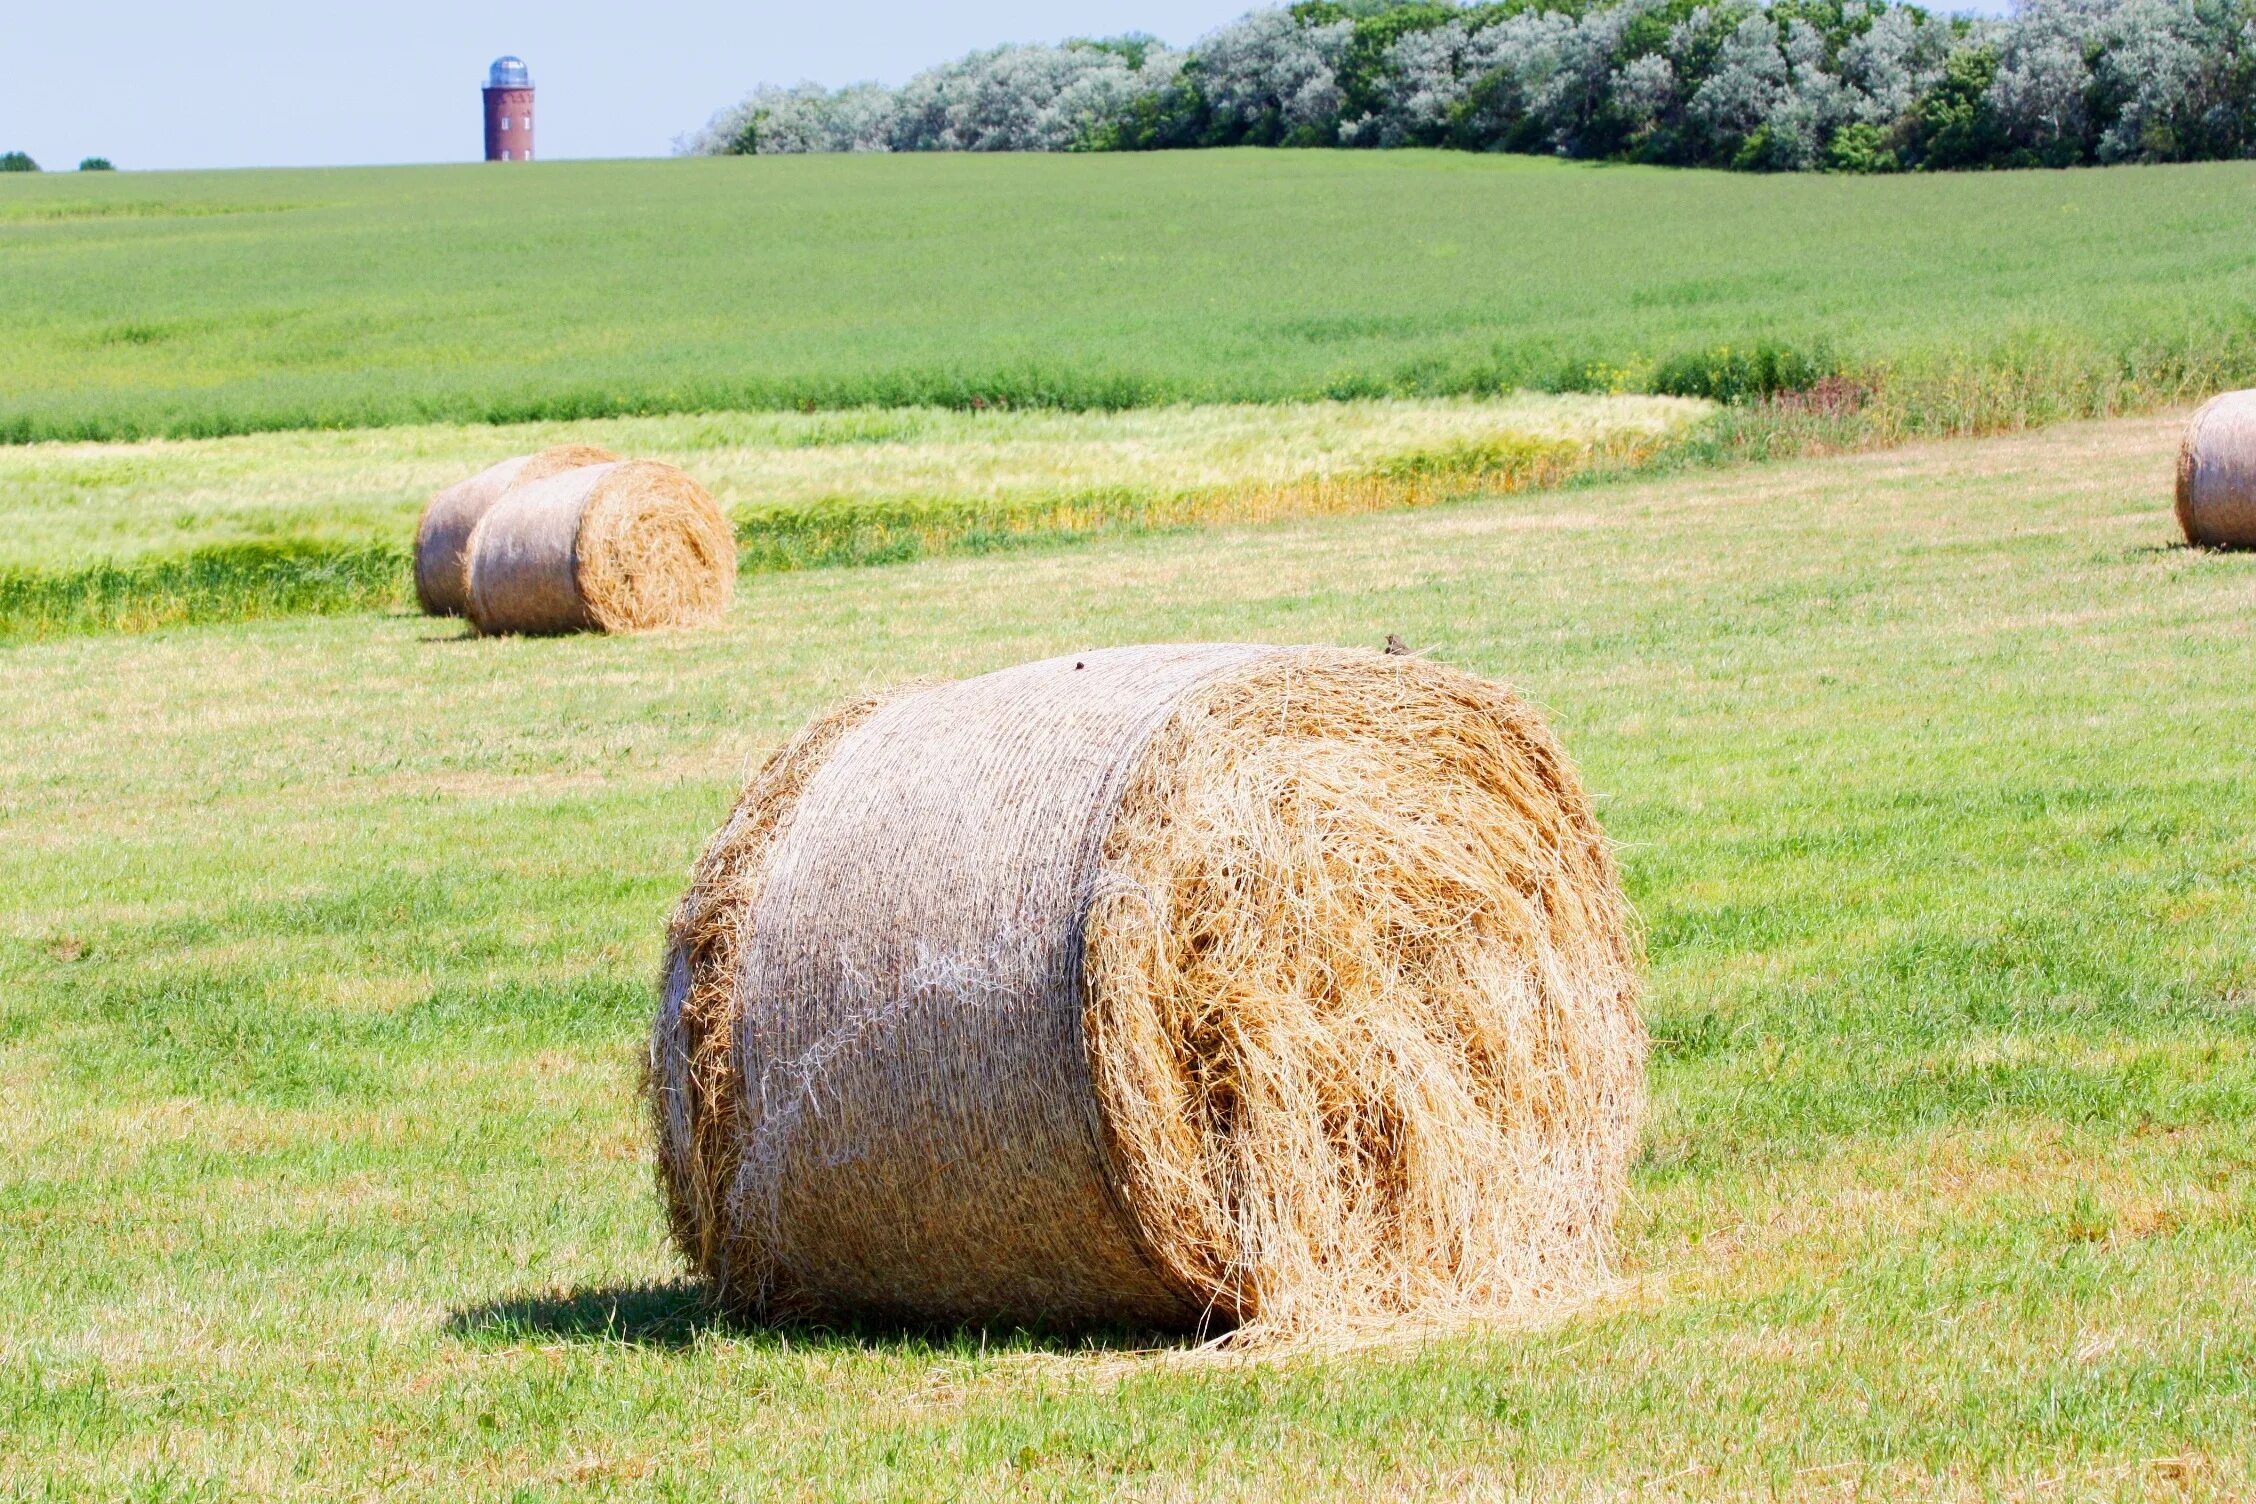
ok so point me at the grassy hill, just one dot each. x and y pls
(326, 955)
(211, 303)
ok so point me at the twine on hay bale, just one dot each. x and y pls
(1289, 990)
(442, 534)
(2217, 473)
(623, 547)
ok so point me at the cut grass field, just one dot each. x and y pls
(208, 303)
(326, 954)
(96, 536)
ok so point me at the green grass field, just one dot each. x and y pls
(326, 953)
(212, 303)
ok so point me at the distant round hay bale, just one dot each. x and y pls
(2217, 474)
(1285, 989)
(624, 547)
(442, 535)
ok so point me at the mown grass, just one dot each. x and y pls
(123, 536)
(326, 948)
(216, 303)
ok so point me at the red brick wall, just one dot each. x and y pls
(516, 106)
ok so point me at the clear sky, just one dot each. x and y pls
(246, 83)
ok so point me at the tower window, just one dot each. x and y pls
(505, 153)
(505, 122)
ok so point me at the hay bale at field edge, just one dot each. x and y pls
(442, 533)
(2217, 473)
(1284, 989)
(623, 547)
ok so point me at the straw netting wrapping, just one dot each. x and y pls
(442, 534)
(2217, 474)
(622, 547)
(1289, 990)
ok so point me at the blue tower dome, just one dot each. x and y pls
(509, 73)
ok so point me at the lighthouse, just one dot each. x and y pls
(509, 111)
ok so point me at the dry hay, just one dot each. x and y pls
(1289, 991)
(442, 535)
(2217, 474)
(623, 547)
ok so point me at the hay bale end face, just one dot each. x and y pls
(2217, 474)
(442, 534)
(1290, 990)
(624, 547)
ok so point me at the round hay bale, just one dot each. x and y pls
(1186, 987)
(623, 547)
(2217, 474)
(442, 535)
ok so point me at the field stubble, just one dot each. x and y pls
(324, 1175)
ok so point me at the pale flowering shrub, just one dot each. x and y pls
(2165, 61)
(1574, 92)
(1892, 64)
(1875, 85)
(2043, 74)
(1004, 99)
(1269, 67)
(1427, 74)
(1020, 98)
(1748, 84)
(1646, 92)
(1816, 103)
(804, 118)
(1512, 64)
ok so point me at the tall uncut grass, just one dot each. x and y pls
(210, 304)
(231, 582)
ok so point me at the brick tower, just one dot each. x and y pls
(509, 111)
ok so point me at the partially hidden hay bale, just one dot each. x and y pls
(2217, 473)
(442, 535)
(623, 547)
(1283, 990)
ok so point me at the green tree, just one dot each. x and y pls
(97, 164)
(17, 161)
(1860, 147)
(1363, 74)
(1953, 128)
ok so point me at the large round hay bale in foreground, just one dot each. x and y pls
(2217, 474)
(442, 534)
(625, 547)
(1189, 987)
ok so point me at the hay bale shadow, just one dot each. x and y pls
(676, 1315)
(647, 1315)
(2181, 547)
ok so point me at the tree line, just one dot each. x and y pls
(21, 161)
(1792, 85)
